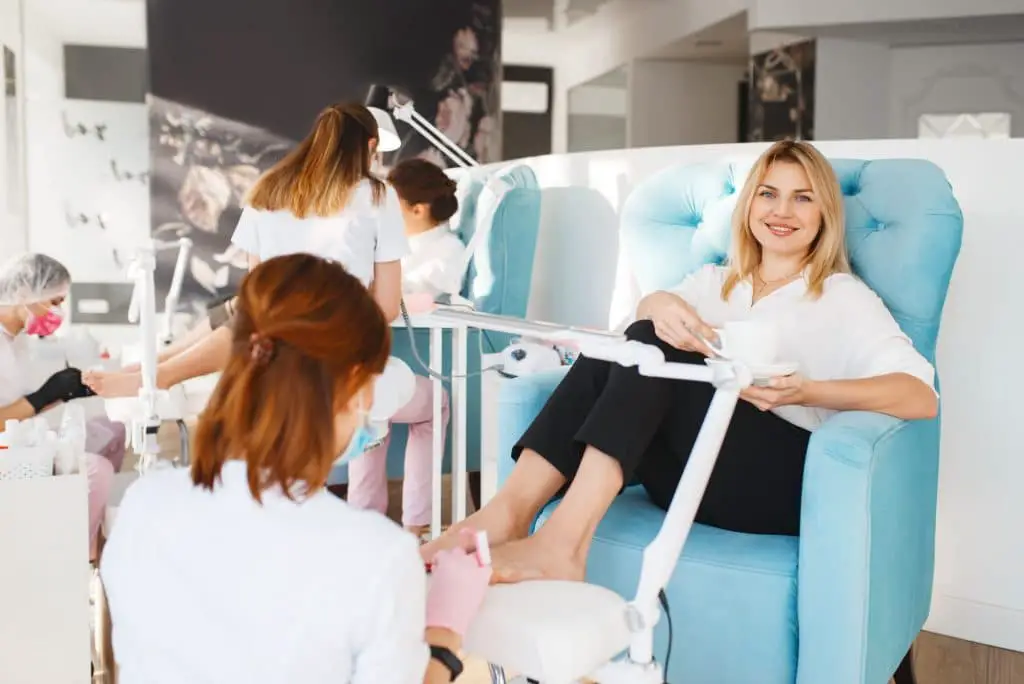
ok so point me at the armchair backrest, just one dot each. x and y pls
(903, 231)
(499, 276)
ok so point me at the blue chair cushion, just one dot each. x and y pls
(742, 587)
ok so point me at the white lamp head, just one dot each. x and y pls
(378, 101)
(389, 140)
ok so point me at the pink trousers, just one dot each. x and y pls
(368, 475)
(104, 446)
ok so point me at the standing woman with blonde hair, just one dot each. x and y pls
(606, 425)
(323, 198)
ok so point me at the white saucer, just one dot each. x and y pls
(762, 372)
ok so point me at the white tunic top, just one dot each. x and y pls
(210, 587)
(847, 333)
(358, 237)
(15, 360)
(435, 262)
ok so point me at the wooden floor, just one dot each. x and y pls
(944, 660)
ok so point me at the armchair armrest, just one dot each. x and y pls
(867, 541)
(519, 401)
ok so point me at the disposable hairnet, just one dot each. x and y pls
(32, 278)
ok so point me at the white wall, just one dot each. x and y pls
(598, 117)
(683, 103)
(870, 91)
(955, 79)
(12, 211)
(979, 594)
(788, 14)
(851, 90)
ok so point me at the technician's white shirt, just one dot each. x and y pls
(846, 334)
(15, 377)
(211, 588)
(359, 236)
(435, 262)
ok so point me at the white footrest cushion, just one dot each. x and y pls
(552, 631)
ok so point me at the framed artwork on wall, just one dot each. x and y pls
(781, 95)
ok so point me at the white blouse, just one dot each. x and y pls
(210, 587)
(434, 264)
(359, 236)
(15, 361)
(847, 333)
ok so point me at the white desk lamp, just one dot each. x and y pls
(563, 632)
(382, 99)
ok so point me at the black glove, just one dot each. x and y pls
(63, 385)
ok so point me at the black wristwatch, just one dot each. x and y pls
(448, 659)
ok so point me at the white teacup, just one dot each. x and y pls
(752, 342)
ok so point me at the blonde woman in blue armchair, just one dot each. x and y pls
(606, 425)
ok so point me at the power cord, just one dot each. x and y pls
(432, 373)
(663, 599)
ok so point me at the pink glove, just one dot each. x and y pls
(457, 586)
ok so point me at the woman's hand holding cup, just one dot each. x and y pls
(678, 324)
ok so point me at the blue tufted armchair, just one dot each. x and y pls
(843, 602)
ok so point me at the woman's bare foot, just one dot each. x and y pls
(110, 385)
(501, 522)
(535, 558)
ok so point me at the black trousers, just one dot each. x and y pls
(649, 426)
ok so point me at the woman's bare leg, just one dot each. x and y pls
(197, 334)
(558, 550)
(509, 515)
(209, 355)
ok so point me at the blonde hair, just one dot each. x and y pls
(318, 175)
(828, 251)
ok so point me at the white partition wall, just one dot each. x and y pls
(979, 593)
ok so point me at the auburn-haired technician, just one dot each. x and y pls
(272, 578)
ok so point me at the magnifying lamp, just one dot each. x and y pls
(388, 101)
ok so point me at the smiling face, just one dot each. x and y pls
(785, 215)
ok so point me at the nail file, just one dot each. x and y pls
(483, 549)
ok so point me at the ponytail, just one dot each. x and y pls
(306, 337)
(319, 174)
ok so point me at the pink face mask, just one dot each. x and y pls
(46, 324)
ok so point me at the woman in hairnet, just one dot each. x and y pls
(33, 288)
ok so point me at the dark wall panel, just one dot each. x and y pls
(275, 63)
(528, 134)
(105, 73)
(235, 82)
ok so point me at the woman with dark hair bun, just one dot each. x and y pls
(427, 197)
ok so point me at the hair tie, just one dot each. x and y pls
(261, 349)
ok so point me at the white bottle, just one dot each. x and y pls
(14, 434)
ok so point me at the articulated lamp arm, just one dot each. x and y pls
(143, 311)
(661, 556)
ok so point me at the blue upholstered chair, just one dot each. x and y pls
(843, 602)
(498, 282)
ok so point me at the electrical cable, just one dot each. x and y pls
(663, 599)
(426, 367)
